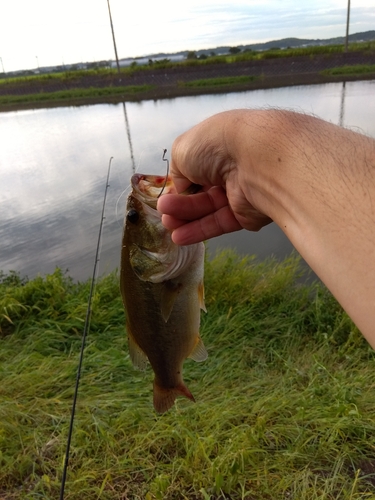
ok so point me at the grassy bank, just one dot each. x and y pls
(356, 69)
(285, 402)
(206, 74)
(220, 81)
(74, 94)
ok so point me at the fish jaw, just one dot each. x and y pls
(149, 187)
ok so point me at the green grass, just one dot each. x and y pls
(79, 93)
(214, 82)
(285, 402)
(58, 75)
(356, 69)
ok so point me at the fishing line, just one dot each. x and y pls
(124, 192)
(86, 329)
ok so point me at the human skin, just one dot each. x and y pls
(312, 178)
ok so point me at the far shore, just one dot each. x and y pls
(171, 92)
(168, 83)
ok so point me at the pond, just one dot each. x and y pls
(53, 167)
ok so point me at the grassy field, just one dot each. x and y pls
(285, 402)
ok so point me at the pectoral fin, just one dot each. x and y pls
(199, 352)
(201, 296)
(138, 357)
(168, 297)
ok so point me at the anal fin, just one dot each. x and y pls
(199, 353)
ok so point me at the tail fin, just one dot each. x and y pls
(164, 398)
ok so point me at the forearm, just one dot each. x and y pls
(317, 182)
(314, 179)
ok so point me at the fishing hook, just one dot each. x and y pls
(166, 177)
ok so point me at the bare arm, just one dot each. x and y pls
(314, 179)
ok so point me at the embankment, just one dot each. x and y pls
(184, 80)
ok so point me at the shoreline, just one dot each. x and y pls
(181, 81)
(172, 91)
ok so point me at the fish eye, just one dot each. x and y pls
(132, 216)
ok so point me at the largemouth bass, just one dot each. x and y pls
(162, 291)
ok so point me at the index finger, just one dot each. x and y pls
(181, 181)
(194, 206)
(190, 163)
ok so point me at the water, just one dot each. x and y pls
(53, 167)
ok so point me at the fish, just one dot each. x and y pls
(162, 291)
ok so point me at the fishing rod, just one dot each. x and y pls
(86, 329)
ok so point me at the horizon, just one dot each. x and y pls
(243, 45)
(180, 52)
(79, 31)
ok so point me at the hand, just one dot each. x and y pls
(202, 157)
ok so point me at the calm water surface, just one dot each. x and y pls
(53, 167)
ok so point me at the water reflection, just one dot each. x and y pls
(342, 105)
(53, 165)
(127, 128)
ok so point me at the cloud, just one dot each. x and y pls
(52, 33)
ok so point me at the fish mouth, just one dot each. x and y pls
(147, 188)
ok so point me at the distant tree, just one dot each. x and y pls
(203, 56)
(212, 54)
(163, 61)
(93, 65)
(150, 62)
(234, 50)
(191, 55)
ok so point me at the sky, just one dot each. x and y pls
(52, 32)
